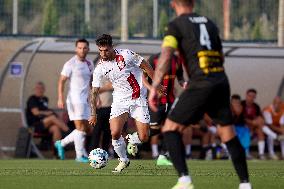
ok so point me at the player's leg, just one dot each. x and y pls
(282, 149)
(218, 108)
(79, 140)
(106, 129)
(187, 141)
(97, 131)
(187, 109)
(260, 142)
(142, 119)
(237, 152)
(79, 113)
(172, 133)
(136, 138)
(119, 145)
(156, 120)
(270, 147)
(154, 140)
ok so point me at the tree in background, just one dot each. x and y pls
(140, 17)
(250, 20)
(6, 16)
(50, 18)
(163, 20)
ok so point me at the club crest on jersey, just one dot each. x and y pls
(120, 61)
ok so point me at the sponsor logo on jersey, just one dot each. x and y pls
(120, 61)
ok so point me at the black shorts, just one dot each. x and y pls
(157, 118)
(211, 96)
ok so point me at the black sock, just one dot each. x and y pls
(175, 147)
(164, 150)
(238, 157)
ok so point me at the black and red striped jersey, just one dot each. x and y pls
(168, 82)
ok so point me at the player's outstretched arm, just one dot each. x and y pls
(93, 103)
(146, 82)
(60, 90)
(160, 71)
(147, 68)
(163, 65)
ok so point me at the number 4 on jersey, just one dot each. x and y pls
(204, 36)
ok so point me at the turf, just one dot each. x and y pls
(142, 174)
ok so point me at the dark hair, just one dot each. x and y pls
(235, 97)
(81, 40)
(185, 2)
(251, 91)
(104, 40)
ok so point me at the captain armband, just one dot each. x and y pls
(170, 41)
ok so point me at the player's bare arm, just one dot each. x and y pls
(145, 81)
(61, 84)
(106, 87)
(147, 68)
(160, 71)
(93, 102)
(163, 65)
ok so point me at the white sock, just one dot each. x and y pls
(270, 145)
(69, 138)
(119, 147)
(225, 149)
(213, 130)
(134, 139)
(155, 151)
(79, 143)
(269, 132)
(282, 147)
(184, 179)
(261, 146)
(188, 149)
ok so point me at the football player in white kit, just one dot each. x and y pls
(79, 72)
(124, 68)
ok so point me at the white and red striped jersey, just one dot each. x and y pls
(125, 74)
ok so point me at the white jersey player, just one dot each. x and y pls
(126, 78)
(124, 69)
(79, 72)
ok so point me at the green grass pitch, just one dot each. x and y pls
(141, 174)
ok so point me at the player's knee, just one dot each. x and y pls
(115, 135)
(172, 126)
(143, 137)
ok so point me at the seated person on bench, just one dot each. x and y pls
(40, 117)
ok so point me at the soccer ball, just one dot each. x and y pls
(98, 158)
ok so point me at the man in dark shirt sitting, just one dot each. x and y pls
(40, 117)
(254, 120)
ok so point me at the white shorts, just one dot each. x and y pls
(79, 111)
(136, 111)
